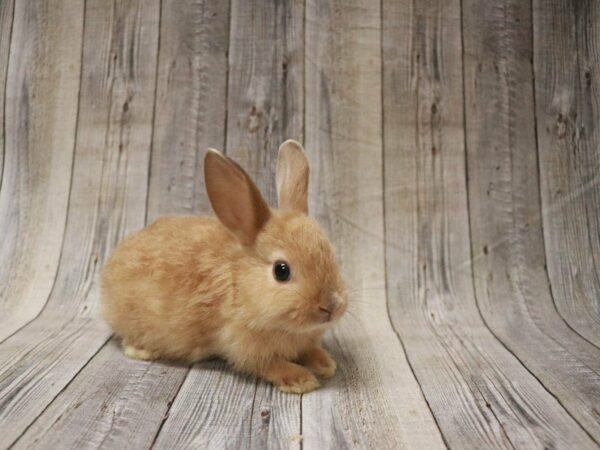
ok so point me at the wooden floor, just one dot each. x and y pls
(455, 151)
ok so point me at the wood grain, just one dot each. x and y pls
(421, 120)
(40, 110)
(466, 374)
(276, 420)
(567, 66)
(107, 200)
(114, 402)
(6, 26)
(191, 101)
(212, 410)
(508, 262)
(217, 408)
(374, 400)
(265, 103)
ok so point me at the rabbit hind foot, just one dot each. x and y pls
(138, 353)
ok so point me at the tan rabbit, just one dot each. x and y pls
(257, 287)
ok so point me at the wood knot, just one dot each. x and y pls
(561, 126)
(253, 120)
(265, 415)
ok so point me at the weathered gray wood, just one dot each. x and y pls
(114, 402)
(39, 115)
(6, 26)
(264, 107)
(522, 377)
(275, 420)
(217, 408)
(567, 67)
(510, 279)
(107, 200)
(265, 104)
(190, 117)
(479, 392)
(212, 410)
(373, 401)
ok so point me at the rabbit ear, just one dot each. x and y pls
(235, 199)
(292, 177)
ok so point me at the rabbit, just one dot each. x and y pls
(255, 286)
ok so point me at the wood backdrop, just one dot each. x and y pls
(455, 151)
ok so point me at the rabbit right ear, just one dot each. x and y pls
(235, 199)
(292, 177)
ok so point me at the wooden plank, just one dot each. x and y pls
(6, 26)
(481, 395)
(114, 402)
(107, 200)
(276, 419)
(510, 279)
(215, 408)
(39, 116)
(212, 410)
(265, 104)
(191, 103)
(567, 64)
(373, 401)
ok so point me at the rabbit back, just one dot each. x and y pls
(163, 287)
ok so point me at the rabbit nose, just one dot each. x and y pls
(330, 303)
(325, 310)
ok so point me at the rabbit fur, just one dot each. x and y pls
(189, 287)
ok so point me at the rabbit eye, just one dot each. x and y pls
(281, 271)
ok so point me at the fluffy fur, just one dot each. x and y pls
(187, 288)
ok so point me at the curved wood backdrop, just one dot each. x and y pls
(455, 153)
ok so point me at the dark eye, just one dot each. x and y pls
(281, 271)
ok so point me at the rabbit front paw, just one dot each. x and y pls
(320, 362)
(290, 377)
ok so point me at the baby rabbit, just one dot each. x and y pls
(255, 286)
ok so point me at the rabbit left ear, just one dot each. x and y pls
(234, 197)
(292, 177)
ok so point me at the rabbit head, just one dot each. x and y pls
(286, 277)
